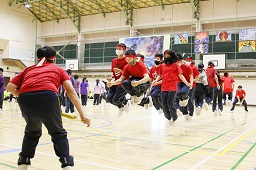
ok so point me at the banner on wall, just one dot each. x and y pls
(248, 34)
(202, 37)
(180, 38)
(201, 48)
(247, 46)
(223, 36)
(147, 46)
(20, 54)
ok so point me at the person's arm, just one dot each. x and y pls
(118, 81)
(75, 100)
(13, 89)
(184, 80)
(217, 81)
(191, 81)
(143, 80)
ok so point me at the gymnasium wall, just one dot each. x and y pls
(18, 27)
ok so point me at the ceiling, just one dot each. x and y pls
(54, 10)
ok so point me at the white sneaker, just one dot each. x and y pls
(219, 111)
(23, 167)
(121, 112)
(68, 168)
(231, 111)
(246, 112)
(215, 113)
(150, 104)
(127, 107)
(186, 117)
(133, 99)
(146, 106)
(205, 106)
(178, 112)
(173, 123)
(128, 96)
(138, 99)
(160, 111)
(189, 118)
(198, 110)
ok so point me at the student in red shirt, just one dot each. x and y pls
(240, 97)
(116, 94)
(217, 96)
(37, 88)
(155, 92)
(212, 79)
(184, 90)
(169, 73)
(228, 87)
(135, 77)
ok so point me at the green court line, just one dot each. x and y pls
(244, 156)
(14, 167)
(185, 153)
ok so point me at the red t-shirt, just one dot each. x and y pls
(118, 63)
(195, 73)
(47, 77)
(170, 74)
(228, 84)
(154, 72)
(138, 70)
(241, 94)
(211, 72)
(186, 72)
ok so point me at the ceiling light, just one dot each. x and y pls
(27, 5)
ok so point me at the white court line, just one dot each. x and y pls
(219, 150)
(76, 160)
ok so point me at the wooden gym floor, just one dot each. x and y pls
(140, 140)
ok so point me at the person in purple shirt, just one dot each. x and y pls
(2, 86)
(84, 89)
(77, 85)
(69, 104)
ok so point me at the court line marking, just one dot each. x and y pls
(76, 160)
(243, 157)
(10, 166)
(221, 149)
(236, 142)
(185, 153)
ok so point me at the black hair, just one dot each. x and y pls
(75, 76)
(179, 55)
(210, 63)
(69, 71)
(226, 74)
(160, 55)
(46, 52)
(122, 45)
(84, 79)
(141, 56)
(218, 75)
(1, 69)
(200, 66)
(173, 57)
(130, 52)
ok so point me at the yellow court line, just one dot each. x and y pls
(235, 143)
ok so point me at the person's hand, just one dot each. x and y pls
(109, 84)
(117, 70)
(154, 83)
(134, 83)
(109, 79)
(218, 87)
(86, 121)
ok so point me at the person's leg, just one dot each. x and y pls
(11, 96)
(53, 123)
(141, 89)
(234, 104)
(245, 106)
(111, 93)
(128, 87)
(156, 98)
(191, 102)
(170, 103)
(209, 96)
(225, 98)
(119, 97)
(67, 104)
(85, 99)
(94, 99)
(214, 99)
(165, 105)
(82, 99)
(1, 100)
(230, 96)
(220, 106)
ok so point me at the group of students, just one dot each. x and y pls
(174, 85)
(169, 86)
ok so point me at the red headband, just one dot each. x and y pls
(166, 53)
(121, 47)
(189, 59)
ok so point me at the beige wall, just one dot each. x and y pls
(18, 27)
